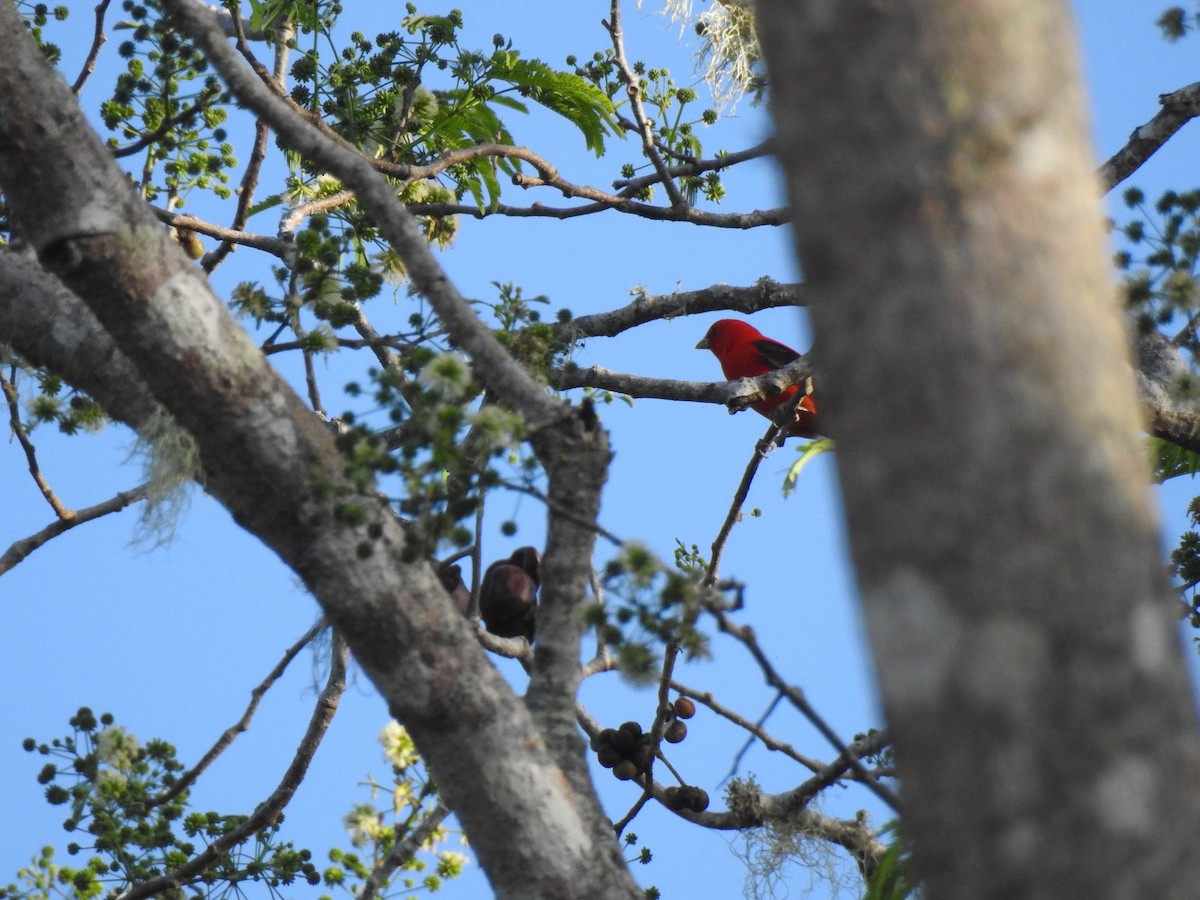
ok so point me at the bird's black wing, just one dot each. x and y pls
(775, 354)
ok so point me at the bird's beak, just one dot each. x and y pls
(703, 345)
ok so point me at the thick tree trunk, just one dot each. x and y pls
(539, 832)
(976, 381)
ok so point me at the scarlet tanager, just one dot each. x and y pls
(745, 352)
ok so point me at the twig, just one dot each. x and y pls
(562, 511)
(661, 757)
(634, 90)
(771, 743)
(241, 725)
(629, 186)
(619, 827)
(845, 763)
(18, 429)
(603, 660)
(761, 449)
(754, 732)
(98, 39)
(402, 852)
(267, 812)
(206, 99)
(796, 697)
(19, 550)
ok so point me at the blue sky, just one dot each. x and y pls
(171, 639)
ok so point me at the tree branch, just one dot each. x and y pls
(763, 294)
(19, 550)
(737, 395)
(402, 852)
(241, 725)
(1178, 108)
(266, 813)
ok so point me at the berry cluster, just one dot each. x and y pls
(683, 708)
(628, 751)
(685, 797)
(625, 750)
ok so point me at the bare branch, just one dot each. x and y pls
(19, 550)
(241, 725)
(98, 39)
(18, 430)
(267, 243)
(736, 395)
(771, 743)
(267, 812)
(1178, 108)
(764, 294)
(633, 89)
(795, 696)
(689, 214)
(629, 186)
(761, 449)
(1160, 372)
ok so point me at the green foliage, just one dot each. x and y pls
(128, 826)
(892, 878)
(1169, 460)
(1185, 563)
(809, 451)
(537, 346)
(394, 812)
(648, 604)
(1162, 260)
(169, 110)
(37, 16)
(306, 15)
(1175, 22)
(389, 96)
(56, 402)
(571, 96)
(1161, 265)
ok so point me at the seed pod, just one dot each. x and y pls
(608, 756)
(675, 732)
(625, 770)
(673, 798)
(685, 708)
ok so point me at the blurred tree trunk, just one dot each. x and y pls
(977, 383)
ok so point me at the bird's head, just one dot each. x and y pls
(727, 333)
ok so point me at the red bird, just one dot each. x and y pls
(745, 352)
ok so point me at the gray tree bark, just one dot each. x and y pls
(515, 779)
(976, 380)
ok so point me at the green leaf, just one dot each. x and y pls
(808, 452)
(1169, 460)
(265, 204)
(580, 102)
